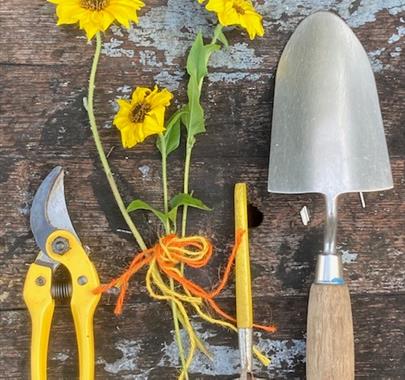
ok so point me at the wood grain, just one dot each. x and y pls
(330, 341)
(43, 79)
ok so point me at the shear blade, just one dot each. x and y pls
(49, 211)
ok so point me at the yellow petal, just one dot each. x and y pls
(91, 30)
(162, 98)
(154, 122)
(215, 5)
(139, 94)
(128, 138)
(93, 21)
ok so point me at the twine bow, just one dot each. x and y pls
(163, 258)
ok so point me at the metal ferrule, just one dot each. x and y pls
(329, 269)
(245, 349)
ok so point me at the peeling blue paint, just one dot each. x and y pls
(355, 15)
(130, 351)
(233, 77)
(226, 360)
(397, 36)
(114, 49)
(164, 35)
(376, 63)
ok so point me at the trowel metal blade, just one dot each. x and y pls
(327, 131)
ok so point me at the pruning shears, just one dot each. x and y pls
(59, 245)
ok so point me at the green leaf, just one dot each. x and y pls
(137, 204)
(220, 36)
(170, 140)
(197, 60)
(195, 121)
(172, 215)
(197, 68)
(183, 199)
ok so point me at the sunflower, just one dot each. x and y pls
(238, 12)
(96, 15)
(142, 116)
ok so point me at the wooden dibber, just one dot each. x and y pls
(244, 307)
(330, 343)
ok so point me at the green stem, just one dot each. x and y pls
(164, 183)
(189, 149)
(177, 331)
(218, 29)
(114, 188)
(100, 149)
(168, 230)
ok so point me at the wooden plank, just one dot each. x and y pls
(139, 343)
(283, 250)
(44, 72)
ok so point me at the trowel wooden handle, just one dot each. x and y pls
(330, 343)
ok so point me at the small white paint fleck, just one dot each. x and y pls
(288, 352)
(348, 257)
(362, 200)
(238, 56)
(396, 52)
(394, 252)
(4, 296)
(25, 207)
(125, 89)
(233, 77)
(24, 210)
(376, 63)
(170, 80)
(305, 215)
(148, 58)
(116, 30)
(113, 49)
(397, 36)
(144, 169)
(61, 356)
(128, 362)
(125, 93)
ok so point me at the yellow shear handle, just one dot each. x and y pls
(244, 308)
(84, 301)
(38, 298)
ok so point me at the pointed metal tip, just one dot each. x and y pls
(325, 15)
(49, 211)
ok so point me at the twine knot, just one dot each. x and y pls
(164, 259)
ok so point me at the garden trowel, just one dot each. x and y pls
(327, 137)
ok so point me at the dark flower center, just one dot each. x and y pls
(138, 112)
(94, 5)
(239, 9)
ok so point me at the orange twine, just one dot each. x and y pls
(194, 251)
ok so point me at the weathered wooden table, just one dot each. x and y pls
(43, 78)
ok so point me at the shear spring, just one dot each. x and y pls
(61, 290)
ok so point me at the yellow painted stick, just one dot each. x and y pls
(244, 308)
